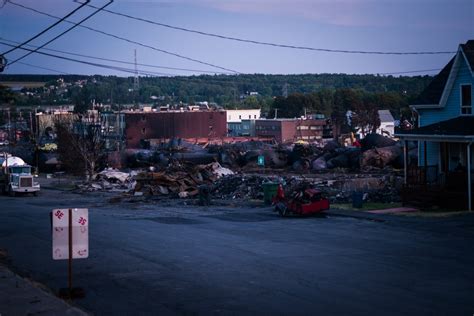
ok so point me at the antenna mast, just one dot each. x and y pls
(136, 83)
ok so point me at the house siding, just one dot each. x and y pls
(451, 110)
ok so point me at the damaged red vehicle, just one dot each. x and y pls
(303, 202)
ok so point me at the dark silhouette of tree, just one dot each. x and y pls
(80, 147)
(365, 116)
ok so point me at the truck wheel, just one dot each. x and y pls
(35, 193)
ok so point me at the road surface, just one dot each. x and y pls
(167, 259)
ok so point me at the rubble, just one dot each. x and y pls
(179, 180)
(109, 180)
(175, 170)
(382, 157)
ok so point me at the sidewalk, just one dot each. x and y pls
(22, 297)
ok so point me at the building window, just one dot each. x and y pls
(255, 116)
(240, 117)
(302, 127)
(466, 99)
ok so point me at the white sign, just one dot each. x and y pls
(80, 233)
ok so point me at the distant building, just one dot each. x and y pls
(142, 126)
(248, 128)
(289, 130)
(235, 118)
(112, 129)
(387, 123)
(45, 124)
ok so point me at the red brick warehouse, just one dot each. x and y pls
(173, 124)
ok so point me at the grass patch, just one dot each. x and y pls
(435, 212)
(369, 206)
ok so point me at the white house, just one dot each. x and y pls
(387, 123)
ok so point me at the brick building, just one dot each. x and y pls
(173, 124)
(289, 130)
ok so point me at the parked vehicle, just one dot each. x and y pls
(16, 177)
(306, 201)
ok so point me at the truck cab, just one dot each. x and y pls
(16, 177)
(21, 180)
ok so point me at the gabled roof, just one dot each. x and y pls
(468, 50)
(433, 93)
(459, 126)
(385, 116)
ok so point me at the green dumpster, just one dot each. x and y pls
(269, 191)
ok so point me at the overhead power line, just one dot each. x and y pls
(121, 69)
(128, 70)
(184, 79)
(44, 68)
(127, 40)
(120, 61)
(66, 31)
(144, 72)
(46, 29)
(171, 68)
(179, 28)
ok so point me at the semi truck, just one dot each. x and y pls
(16, 177)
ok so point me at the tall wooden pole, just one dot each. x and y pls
(70, 255)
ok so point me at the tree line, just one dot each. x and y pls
(329, 94)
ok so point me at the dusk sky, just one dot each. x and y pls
(363, 25)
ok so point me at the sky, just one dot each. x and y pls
(362, 25)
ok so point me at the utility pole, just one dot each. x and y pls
(9, 126)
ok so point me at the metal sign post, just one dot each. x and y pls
(70, 241)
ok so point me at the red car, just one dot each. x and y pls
(303, 202)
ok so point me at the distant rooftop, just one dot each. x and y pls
(385, 116)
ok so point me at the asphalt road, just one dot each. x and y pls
(155, 259)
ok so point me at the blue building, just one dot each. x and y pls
(445, 132)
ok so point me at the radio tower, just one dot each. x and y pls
(136, 83)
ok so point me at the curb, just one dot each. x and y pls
(21, 296)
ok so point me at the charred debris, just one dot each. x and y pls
(233, 171)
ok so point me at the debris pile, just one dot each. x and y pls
(239, 187)
(181, 169)
(179, 180)
(375, 151)
(337, 187)
(110, 180)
